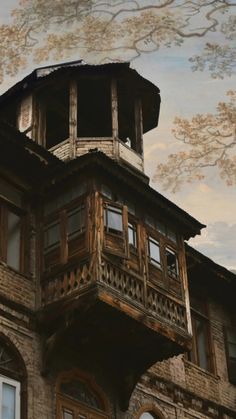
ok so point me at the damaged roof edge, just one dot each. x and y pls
(11, 134)
(205, 261)
(44, 72)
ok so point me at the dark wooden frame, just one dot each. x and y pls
(204, 317)
(6, 207)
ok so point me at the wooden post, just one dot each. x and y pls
(73, 118)
(114, 108)
(138, 126)
(185, 287)
(114, 116)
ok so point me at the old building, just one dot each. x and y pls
(105, 311)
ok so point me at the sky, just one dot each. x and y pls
(183, 93)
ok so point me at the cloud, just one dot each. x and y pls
(218, 242)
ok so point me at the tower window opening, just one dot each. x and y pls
(55, 115)
(94, 108)
(126, 117)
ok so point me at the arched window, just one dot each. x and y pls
(79, 397)
(149, 411)
(13, 404)
(149, 415)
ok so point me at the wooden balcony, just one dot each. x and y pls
(122, 289)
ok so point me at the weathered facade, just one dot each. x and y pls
(105, 311)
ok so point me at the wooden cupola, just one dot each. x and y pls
(73, 108)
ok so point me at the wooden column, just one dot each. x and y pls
(73, 118)
(138, 126)
(183, 270)
(114, 108)
(114, 116)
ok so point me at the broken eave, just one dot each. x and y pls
(23, 156)
(204, 272)
(132, 80)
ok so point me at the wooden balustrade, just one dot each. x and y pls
(125, 283)
(68, 281)
(152, 300)
(128, 285)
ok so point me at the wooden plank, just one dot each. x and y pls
(73, 117)
(183, 273)
(138, 126)
(114, 108)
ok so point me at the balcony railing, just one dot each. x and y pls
(120, 282)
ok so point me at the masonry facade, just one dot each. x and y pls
(105, 311)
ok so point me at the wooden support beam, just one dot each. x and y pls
(138, 126)
(114, 108)
(73, 118)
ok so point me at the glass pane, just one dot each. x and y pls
(131, 207)
(148, 415)
(8, 401)
(78, 390)
(13, 243)
(67, 414)
(132, 234)
(202, 343)
(172, 263)
(232, 350)
(231, 336)
(171, 235)
(150, 221)
(161, 227)
(76, 221)
(154, 251)
(114, 219)
(52, 235)
(106, 191)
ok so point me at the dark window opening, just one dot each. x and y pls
(11, 224)
(126, 117)
(51, 236)
(230, 342)
(172, 263)
(55, 114)
(61, 236)
(94, 108)
(13, 240)
(76, 222)
(132, 236)
(201, 349)
(113, 219)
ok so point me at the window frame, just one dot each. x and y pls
(5, 209)
(155, 240)
(17, 386)
(193, 355)
(116, 209)
(231, 361)
(60, 217)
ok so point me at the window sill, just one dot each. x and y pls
(201, 370)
